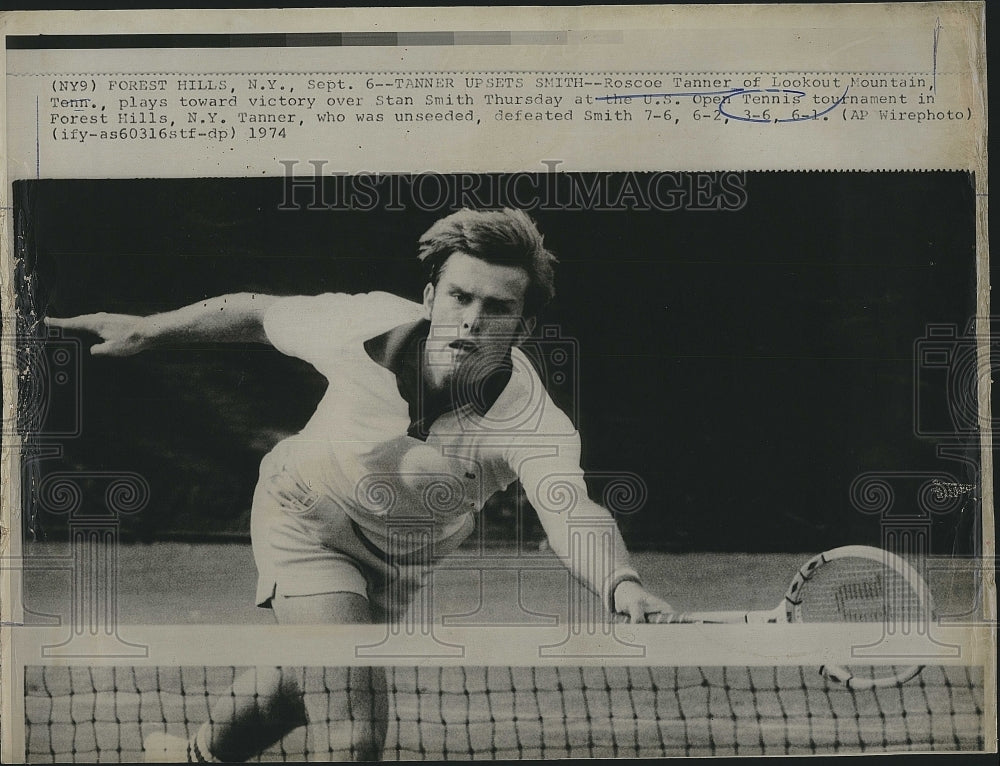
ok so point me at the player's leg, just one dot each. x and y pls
(263, 705)
(321, 609)
(347, 709)
(345, 714)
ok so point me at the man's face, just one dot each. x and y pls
(476, 313)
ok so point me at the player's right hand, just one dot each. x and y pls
(633, 600)
(121, 334)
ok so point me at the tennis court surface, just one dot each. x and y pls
(211, 584)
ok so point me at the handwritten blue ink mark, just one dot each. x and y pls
(733, 93)
(742, 91)
(692, 93)
(814, 115)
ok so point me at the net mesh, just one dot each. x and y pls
(105, 714)
(861, 590)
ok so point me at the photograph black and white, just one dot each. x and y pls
(496, 383)
(526, 399)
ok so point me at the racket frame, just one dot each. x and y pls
(839, 674)
(790, 610)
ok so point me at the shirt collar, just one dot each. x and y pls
(400, 350)
(389, 348)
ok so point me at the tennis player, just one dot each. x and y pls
(431, 408)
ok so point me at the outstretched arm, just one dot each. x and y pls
(584, 534)
(587, 540)
(236, 318)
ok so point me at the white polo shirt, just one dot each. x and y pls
(356, 451)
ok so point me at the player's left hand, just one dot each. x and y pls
(631, 599)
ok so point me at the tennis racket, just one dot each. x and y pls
(854, 583)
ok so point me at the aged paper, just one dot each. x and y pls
(241, 416)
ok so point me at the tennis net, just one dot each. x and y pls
(88, 714)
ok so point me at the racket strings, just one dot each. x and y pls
(862, 590)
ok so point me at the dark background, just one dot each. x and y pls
(747, 365)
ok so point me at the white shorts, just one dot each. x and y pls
(305, 544)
